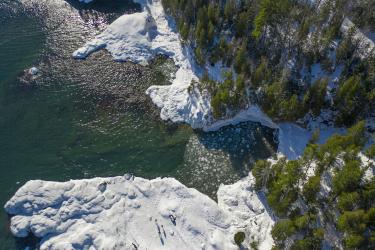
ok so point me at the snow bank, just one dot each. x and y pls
(127, 212)
(127, 44)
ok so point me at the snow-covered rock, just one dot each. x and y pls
(135, 213)
(128, 39)
(368, 166)
(33, 71)
(250, 210)
(138, 38)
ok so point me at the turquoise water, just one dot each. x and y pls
(82, 119)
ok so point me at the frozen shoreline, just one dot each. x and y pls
(123, 212)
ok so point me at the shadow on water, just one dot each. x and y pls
(30, 242)
(110, 9)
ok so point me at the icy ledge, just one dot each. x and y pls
(135, 213)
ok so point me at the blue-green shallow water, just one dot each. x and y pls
(83, 119)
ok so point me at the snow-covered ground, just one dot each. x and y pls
(293, 139)
(135, 213)
(367, 42)
(250, 209)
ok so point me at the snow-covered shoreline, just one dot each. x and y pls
(135, 213)
(366, 44)
(147, 34)
(139, 37)
(124, 212)
(150, 33)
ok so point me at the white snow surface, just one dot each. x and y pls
(293, 139)
(123, 212)
(127, 44)
(250, 209)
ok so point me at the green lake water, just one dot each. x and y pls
(83, 119)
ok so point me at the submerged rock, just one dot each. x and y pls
(33, 71)
(29, 75)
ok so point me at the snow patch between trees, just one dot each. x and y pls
(293, 139)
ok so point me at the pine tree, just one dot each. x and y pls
(229, 10)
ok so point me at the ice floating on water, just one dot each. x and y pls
(253, 113)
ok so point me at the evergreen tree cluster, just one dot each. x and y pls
(349, 207)
(259, 38)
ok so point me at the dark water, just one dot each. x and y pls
(82, 119)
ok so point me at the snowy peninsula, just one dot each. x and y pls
(134, 213)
